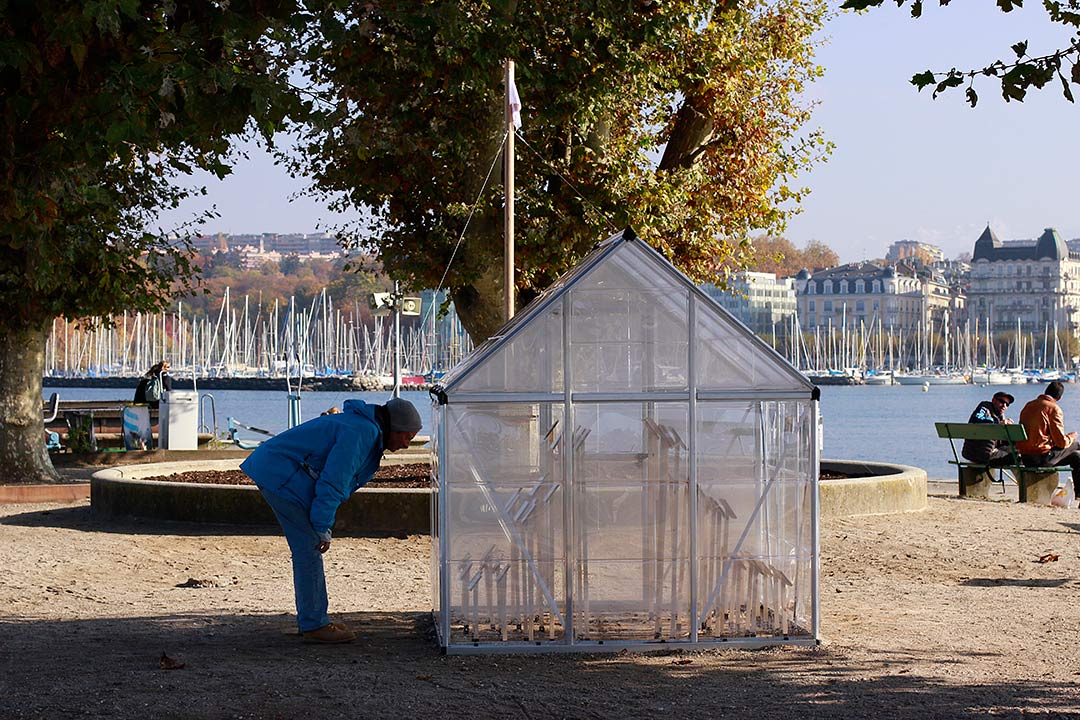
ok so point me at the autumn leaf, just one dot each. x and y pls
(167, 663)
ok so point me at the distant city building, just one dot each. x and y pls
(257, 250)
(251, 258)
(761, 301)
(206, 244)
(300, 244)
(304, 244)
(956, 273)
(868, 294)
(1033, 282)
(925, 253)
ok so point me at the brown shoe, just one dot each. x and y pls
(329, 634)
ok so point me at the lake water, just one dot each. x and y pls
(884, 423)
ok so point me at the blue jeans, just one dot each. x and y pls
(309, 579)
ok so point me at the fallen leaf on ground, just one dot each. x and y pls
(167, 663)
(1048, 557)
(682, 661)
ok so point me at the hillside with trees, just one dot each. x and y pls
(289, 277)
(780, 256)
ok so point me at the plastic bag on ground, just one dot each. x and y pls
(1062, 497)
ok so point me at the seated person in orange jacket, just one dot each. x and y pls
(1047, 442)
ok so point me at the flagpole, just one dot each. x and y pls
(508, 187)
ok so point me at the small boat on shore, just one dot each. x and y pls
(832, 377)
(991, 376)
(952, 378)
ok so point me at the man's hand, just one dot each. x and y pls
(324, 541)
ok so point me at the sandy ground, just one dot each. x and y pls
(945, 613)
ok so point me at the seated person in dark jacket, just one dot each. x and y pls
(994, 453)
(158, 369)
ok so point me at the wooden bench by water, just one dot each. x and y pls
(1036, 484)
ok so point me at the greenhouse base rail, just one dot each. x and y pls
(595, 646)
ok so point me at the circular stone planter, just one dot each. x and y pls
(870, 489)
(121, 491)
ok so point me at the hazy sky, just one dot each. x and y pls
(905, 166)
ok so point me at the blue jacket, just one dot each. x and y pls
(321, 462)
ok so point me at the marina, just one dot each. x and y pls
(243, 341)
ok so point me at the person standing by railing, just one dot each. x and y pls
(154, 384)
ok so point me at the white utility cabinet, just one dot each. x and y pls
(178, 416)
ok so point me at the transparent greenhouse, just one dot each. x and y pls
(624, 465)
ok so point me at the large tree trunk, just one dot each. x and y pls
(23, 458)
(479, 305)
(692, 131)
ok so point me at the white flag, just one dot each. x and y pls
(515, 102)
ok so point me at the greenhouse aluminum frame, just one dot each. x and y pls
(681, 511)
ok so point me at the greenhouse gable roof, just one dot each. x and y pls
(636, 325)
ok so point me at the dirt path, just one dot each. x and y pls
(941, 614)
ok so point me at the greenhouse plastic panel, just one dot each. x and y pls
(627, 335)
(755, 536)
(517, 547)
(632, 523)
(531, 361)
(504, 540)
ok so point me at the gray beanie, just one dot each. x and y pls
(403, 416)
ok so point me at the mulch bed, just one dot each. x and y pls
(414, 475)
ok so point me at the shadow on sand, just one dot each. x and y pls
(83, 518)
(256, 667)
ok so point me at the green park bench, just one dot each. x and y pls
(1036, 484)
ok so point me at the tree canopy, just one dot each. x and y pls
(1019, 72)
(104, 104)
(680, 119)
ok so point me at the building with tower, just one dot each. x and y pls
(1033, 283)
